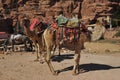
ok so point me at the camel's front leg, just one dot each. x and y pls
(53, 49)
(37, 52)
(76, 64)
(48, 56)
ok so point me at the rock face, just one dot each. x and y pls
(85, 9)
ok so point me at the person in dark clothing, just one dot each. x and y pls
(18, 28)
(10, 31)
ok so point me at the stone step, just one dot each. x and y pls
(44, 3)
(38, 12)
(32, 3)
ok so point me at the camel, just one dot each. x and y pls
(77, 46)
(98, 29)
(34, 36)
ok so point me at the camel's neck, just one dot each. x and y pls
(28, 32)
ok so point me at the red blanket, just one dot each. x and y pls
(3, 35)
(54, 25)
(34, 22)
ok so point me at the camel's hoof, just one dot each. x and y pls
(32, 52)
(36, 60)
(6, 53)
(55, 73)
(41, 62)
(74, 74)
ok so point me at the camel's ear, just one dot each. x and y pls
(25, 18)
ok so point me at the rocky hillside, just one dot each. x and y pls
(84, 8)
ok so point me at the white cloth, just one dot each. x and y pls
(17, 36)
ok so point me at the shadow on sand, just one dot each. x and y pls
(90, 67)
(62, 57)
(85, 67)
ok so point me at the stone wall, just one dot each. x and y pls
(85, 9)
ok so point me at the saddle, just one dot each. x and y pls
(66, 34)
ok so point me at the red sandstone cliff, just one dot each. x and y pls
(83, 8)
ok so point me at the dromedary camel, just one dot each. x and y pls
(37, 39)
(77, 46)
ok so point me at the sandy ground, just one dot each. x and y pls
(104, 65)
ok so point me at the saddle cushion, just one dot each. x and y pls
(61, 20)
(73, 22)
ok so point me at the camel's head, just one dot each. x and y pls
(40, 27)
(25, 22)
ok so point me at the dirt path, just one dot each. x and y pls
(20, 66)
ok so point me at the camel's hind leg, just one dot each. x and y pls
(76, 64)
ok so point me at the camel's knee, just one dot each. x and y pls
(76, 58)
(47, 60)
